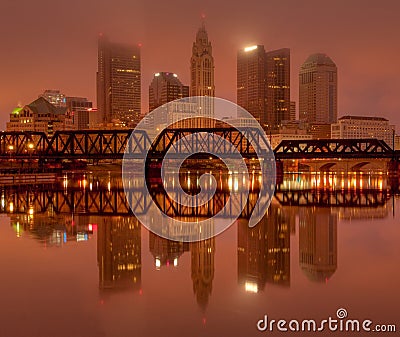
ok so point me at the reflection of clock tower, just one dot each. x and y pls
(203, 270)
(203, 264)
(202, 74)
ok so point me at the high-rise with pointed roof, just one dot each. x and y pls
(202, 73)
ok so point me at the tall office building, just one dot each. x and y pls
(80, 108)
(318, 90)
(278, 87)
(118, 82)
(202, 74)
(165, 87)
(263, 84)
(251, 82)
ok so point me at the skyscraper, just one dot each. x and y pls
(278, 87)
(318, 90)
(263, 84)
(165, 87)
(202, 74)
(251, 82)
(118, 82)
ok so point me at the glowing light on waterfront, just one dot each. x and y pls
(251, 287)
(65, 182)
(18, 231)
(236, 183)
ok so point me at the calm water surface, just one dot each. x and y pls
(83, 266)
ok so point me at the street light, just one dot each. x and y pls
(30, 146)
(10, 150)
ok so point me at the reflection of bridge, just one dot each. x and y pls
(111, 144)
(113, 202)
(332, 198)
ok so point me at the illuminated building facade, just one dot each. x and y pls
(118, 83)
(318, 90)
(202, 75)
(165, 87)
(278, 87)
(357, 127)
(40, 115)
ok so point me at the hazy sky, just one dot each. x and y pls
(53, 44)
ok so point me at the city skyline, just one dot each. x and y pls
(357, 43)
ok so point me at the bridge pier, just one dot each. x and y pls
(394, 168)
(394, 175)
(279, 172)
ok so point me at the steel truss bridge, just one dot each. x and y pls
(111, 144)
(113, 202)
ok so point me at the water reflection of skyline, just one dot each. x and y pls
(263, 252)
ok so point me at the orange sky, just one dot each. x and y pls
(47, 44)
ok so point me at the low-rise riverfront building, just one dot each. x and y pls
(359, 127)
